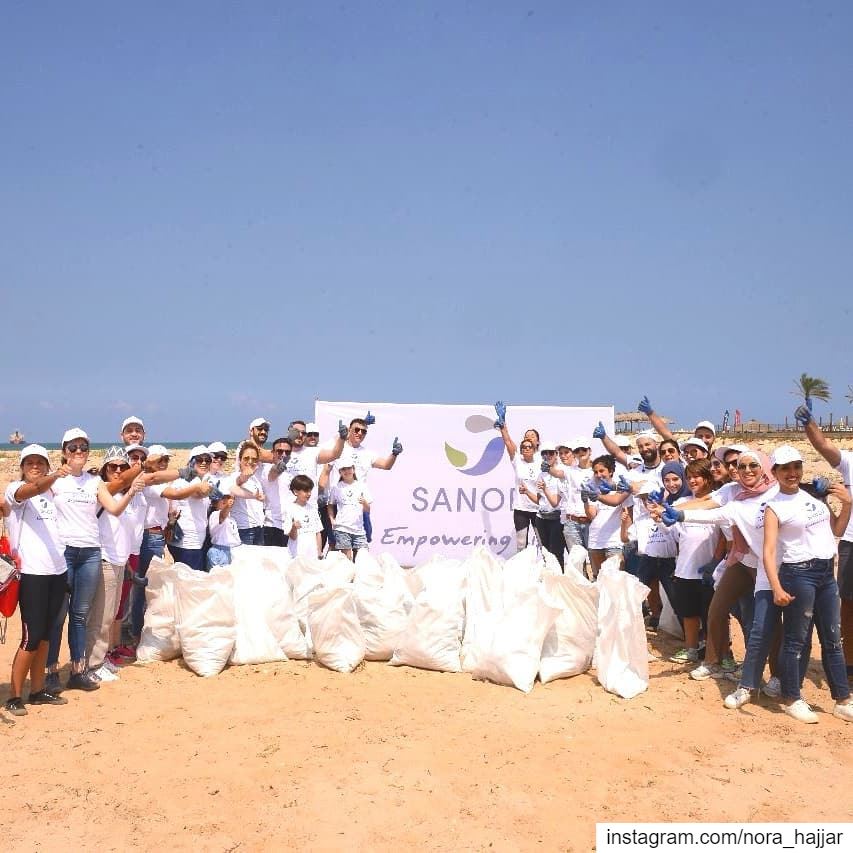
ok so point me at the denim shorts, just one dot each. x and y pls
(350, 541)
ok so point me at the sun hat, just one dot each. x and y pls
(115, 454)
(785, 454)
(34, 450)
(131, 420)
(71, 434)
(259, 422)
(707, 425)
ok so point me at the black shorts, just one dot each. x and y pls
(40, 599)
(687, 598)
(845, 569)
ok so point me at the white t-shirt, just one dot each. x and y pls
(725, 493)
(605, 530)
(661, 541)
(643, 522)
(138, 509)
(349, 513)
(193, 518)
(305, 544)
(362, 460)
(34, 533)
(845, 468)
(696, 545)
(305, 462)
(527, 473)
(247, 512)
(277, 493)
(804, 528)
(118, 532)
(76, 501)
(552, 484)
(748, 516)
(158, 507)
(575, 478)
(225, 533)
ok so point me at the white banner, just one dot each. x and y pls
(453, 487)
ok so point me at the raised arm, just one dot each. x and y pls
(840, 521)
(329, 454)
(815, 435)
(655, 419)
(610, 445)
(30, 490)
(116, 506)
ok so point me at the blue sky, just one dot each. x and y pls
(217, 210)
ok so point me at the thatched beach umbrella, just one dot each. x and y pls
(625, 420)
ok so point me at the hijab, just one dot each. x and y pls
(739, 547)
(678, 469)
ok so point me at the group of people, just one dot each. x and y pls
(719, 531)
(84, 537)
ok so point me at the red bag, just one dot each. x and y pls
(10, 577)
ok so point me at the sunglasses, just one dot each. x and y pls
(77, 448)
(748, 466)
(202, 460)
(220, 457)
(281, 450)
(527, 447)
(315, 434)
(112, 468)
(717, 464)
(359, 430)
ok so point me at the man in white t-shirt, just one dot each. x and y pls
(307, 460)
(278, 495)
(842, 461)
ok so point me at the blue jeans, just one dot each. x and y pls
(812, 583)
(153, 545)
(251, 535)
(368, 526)
(192, 557)
(764, 621)
(218, 555)
(576, 533)
(84, 572)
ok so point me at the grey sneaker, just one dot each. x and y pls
(844, 712)
(706, 670)
(52, 683)
(737, 699)
(81, 681)
(773, 688)
(45, 697)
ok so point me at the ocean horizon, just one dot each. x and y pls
(103, 445)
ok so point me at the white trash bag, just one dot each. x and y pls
(621, 654)
(577, 557)
(570, 643)
(484, 585)
(335, 630)
(383, 602)
(511, 649)
(668, 622)
(205, 619)
(159, 639)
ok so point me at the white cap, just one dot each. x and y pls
(785, 454)
(635, 461)
(216, 447)
(198, 450)
(647, 487)
(132, 447)
(720, 452)
(345, 460)
(547, 445)
(258, 422)
(131, 420)
(568, 443)
(158, 450)
(707, 425)
(71, 434)
(693, 441)
(622, 441)
(312, 427)
(34, 450)
(580, 441)
(648, 433)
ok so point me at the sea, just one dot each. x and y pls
(170, 445)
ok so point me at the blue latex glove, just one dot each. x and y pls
(803, 414)
(623, 485)
(343, 432)
(281, 465)
(707, 573)
(215, 494)
(656, 497)
(671, 515)
(821, 486)
(588, 495)
(369, 419)
(605, 488)
(396, 447)
(500, 411)
(545, 466)
(591, 486)
(645, 406)
(599, 431)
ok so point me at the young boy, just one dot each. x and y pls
(304, 539)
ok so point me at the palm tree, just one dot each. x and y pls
(811, 388)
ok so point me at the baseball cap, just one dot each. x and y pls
(785, 454)
(131, 420)
(548, 445)
(580, 441)
(34, 450)
(259, 422)
(312, 427)
(707, 425)
(695, 442)
(198, 450)
(158, 450)
(647, 487)
(71, 434)
(216, 447)
(567, 443)
(622, 441)
(345, 460)
(720, 452)
(132, 447)
(635, 460)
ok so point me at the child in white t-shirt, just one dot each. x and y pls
(348, 501)
(305, 538)
(224, 533)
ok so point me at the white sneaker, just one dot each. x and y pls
(737, 699)
(111, 666)
(706, 670)
(773, 688)
(103, 674)
(802, 712)
(844, 712)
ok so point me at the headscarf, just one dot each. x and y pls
(740, 548)
(678, 469)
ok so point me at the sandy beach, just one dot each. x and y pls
(291, 755)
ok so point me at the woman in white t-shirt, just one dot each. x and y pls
(248, 508)
(526, 505)
(190, 497)
(605, 528)
(35, 538)
(349, 499)
(799, 555)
